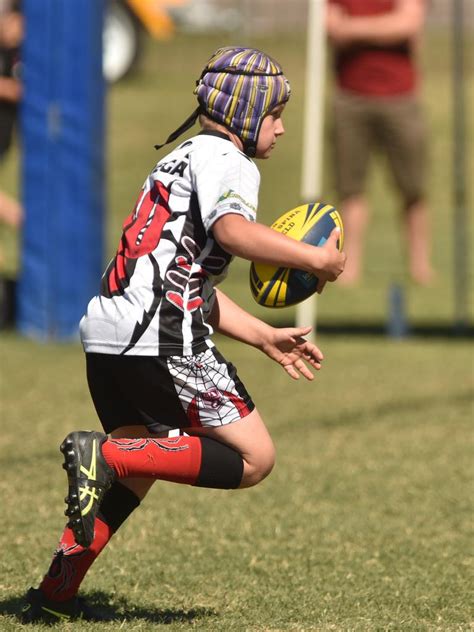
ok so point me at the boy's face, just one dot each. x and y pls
(271, 129)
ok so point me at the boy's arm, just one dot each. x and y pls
(283, 345)
(261, 244)
(404, 22)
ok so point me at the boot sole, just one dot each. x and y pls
(73, 511)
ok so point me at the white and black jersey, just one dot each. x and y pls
(159, 289)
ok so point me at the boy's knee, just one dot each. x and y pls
(266, 466)
(259, 468)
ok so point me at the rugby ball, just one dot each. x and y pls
(282, 287)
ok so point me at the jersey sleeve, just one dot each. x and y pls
(226, 183)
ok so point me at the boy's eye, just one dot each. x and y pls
(276, 113)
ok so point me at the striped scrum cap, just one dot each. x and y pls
(238, 88)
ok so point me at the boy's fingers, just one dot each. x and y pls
(305, 372)
(297, 332)
(335, 234)
(292, 372)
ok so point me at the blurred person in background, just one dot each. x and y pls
(11, 34)
(376, 105)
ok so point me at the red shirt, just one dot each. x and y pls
(372, 69)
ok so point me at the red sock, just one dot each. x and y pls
(177, 459)
(71, 562)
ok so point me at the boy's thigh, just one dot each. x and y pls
(248, 436)
(161, 393)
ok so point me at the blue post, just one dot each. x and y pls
(62, 129)
(397, 325)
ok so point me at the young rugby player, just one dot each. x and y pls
(151, 364)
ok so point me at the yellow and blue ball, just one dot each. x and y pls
(282, 287)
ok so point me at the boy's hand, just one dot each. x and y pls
(334, 261)
(289, 349)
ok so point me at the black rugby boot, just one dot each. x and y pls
(40, 609)
(89, 477)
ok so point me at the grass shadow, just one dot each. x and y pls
(121, 609)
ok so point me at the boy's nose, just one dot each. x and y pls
(280, 128)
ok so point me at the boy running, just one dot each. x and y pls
(151, 364)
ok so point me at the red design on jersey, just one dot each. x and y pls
(184, 277)
(177, 299)
(141, 235)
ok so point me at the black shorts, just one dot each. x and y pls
(163, 393)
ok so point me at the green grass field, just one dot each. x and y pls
(365, 524)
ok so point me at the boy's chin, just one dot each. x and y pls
(264, 155)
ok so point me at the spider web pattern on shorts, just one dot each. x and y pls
(203, 382)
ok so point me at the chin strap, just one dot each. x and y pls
(188, 123)
(249, 147)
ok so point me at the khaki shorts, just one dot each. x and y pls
(393, 126)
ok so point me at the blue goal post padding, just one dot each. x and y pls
(62, 131)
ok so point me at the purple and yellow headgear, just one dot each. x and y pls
(238, 88)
